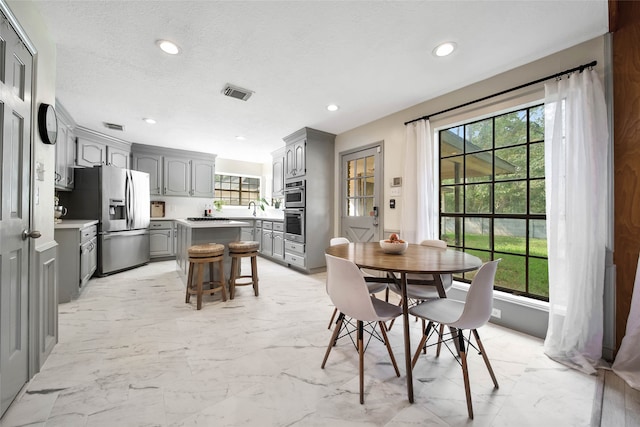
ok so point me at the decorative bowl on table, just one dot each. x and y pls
(393, 246)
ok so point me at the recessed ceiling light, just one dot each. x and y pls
(241, 138)
(149, 120)
(444, 49)
(169, 47)
(332, 107)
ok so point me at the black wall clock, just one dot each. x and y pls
(47, 123)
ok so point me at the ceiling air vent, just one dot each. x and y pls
(237, 92)
(113, 126)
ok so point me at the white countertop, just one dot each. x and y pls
(76, 223)
(213, 224)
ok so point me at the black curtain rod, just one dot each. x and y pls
(580, 69)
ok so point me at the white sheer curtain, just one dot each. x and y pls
(576, 139)
(627, 363)
(419, 210)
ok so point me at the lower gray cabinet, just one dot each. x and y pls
(161, 239)
(78, 259)
(272, 242)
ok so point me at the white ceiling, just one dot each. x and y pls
(372, 58)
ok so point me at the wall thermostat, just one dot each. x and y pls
(396, 181)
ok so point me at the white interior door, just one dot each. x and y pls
(15, 105)
(361, 195)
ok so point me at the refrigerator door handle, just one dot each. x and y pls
(121, 234)
(129, 191)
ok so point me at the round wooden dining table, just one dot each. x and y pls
(416, 259)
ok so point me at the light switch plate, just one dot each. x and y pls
(39, 171)
(395, 191)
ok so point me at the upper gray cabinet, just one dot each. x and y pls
(151, 164)
(118, 157)
(202, 178)
(295, 158)
(177, 176)
(176, 172)
(277, 189)
(65, 150)
(94, 149)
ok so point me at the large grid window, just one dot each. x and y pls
(492, 197)
(237, 190)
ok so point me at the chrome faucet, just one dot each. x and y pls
(254, 207)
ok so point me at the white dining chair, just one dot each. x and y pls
(374, 287)
(349, 293)
(471, 314)
(422, 287)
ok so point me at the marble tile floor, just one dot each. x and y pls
(132, 353)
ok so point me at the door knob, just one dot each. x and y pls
(33, 234)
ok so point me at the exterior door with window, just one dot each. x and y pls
(15, 107)
(361, 195)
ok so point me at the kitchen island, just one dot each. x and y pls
(198, 231)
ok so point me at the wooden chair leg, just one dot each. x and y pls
(465, 373)
(386, 342)
(485, 357)
(232, 279)
(189, 283)
(361, 358)
(441, 331)
(199, 285)
(334, 337)
(254, 273)
(333, 316)
(423, 341)
(424, 326)
(222, 280)
(211, 276)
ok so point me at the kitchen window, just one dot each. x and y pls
(236, 190)
(492, 197)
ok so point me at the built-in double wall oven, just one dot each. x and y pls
(294, 202)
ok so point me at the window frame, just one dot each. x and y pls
(462, 183)
(217, 191)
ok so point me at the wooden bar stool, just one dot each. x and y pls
(237, 251)
(208, 253)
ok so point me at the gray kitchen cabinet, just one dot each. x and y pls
(318, 175)
(94, 148)
(151, 164)
(277, 188)
(272, 240)
(176, 172)
(118, 157)
(177, 176)
(91, 153)
(248, 234)
(65, 150)
(78, 256)
(65, 155)
(202, 178)
(295, 158)
(266, 248)
(88, 259)
(294, 254)
(278, 243)
(161, 239)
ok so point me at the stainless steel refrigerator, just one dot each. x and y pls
(119, 199)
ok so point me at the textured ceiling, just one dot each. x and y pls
(372, 58)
